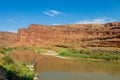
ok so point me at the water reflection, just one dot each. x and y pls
(51, 68)
(75, 76)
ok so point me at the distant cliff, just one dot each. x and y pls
(7, 38)
(73, 35)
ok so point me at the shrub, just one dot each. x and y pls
(73, 54)
(15, 70)
(6, 50)
(95, 54)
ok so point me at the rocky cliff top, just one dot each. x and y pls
(71, 35)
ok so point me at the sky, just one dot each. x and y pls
(15, 14)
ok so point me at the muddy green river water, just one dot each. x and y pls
(51, 68)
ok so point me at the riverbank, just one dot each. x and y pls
(84, 54)
(54, 54)
(69, 53)
(109, 55)
(12, 69)
(15, 70)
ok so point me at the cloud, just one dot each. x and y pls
(11, 31)
(56, 24)
(10, 21)
(52, 13)
(96, 21)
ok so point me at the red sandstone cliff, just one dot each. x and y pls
(7, 38)
(73, 35)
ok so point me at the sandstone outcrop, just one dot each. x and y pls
(7, 38)
(73, 35)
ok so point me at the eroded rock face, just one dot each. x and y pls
(73, 35)
(117, 24)
(7, 38)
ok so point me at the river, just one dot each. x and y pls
(52, 68)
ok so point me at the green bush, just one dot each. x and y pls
(95, 54)
(16, 70)
(25, 48)
(73, 54)
(6, 50)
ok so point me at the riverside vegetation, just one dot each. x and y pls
(113, 55)
(11, 69)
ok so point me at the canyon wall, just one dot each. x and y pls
(7, 38)
(72, 35)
